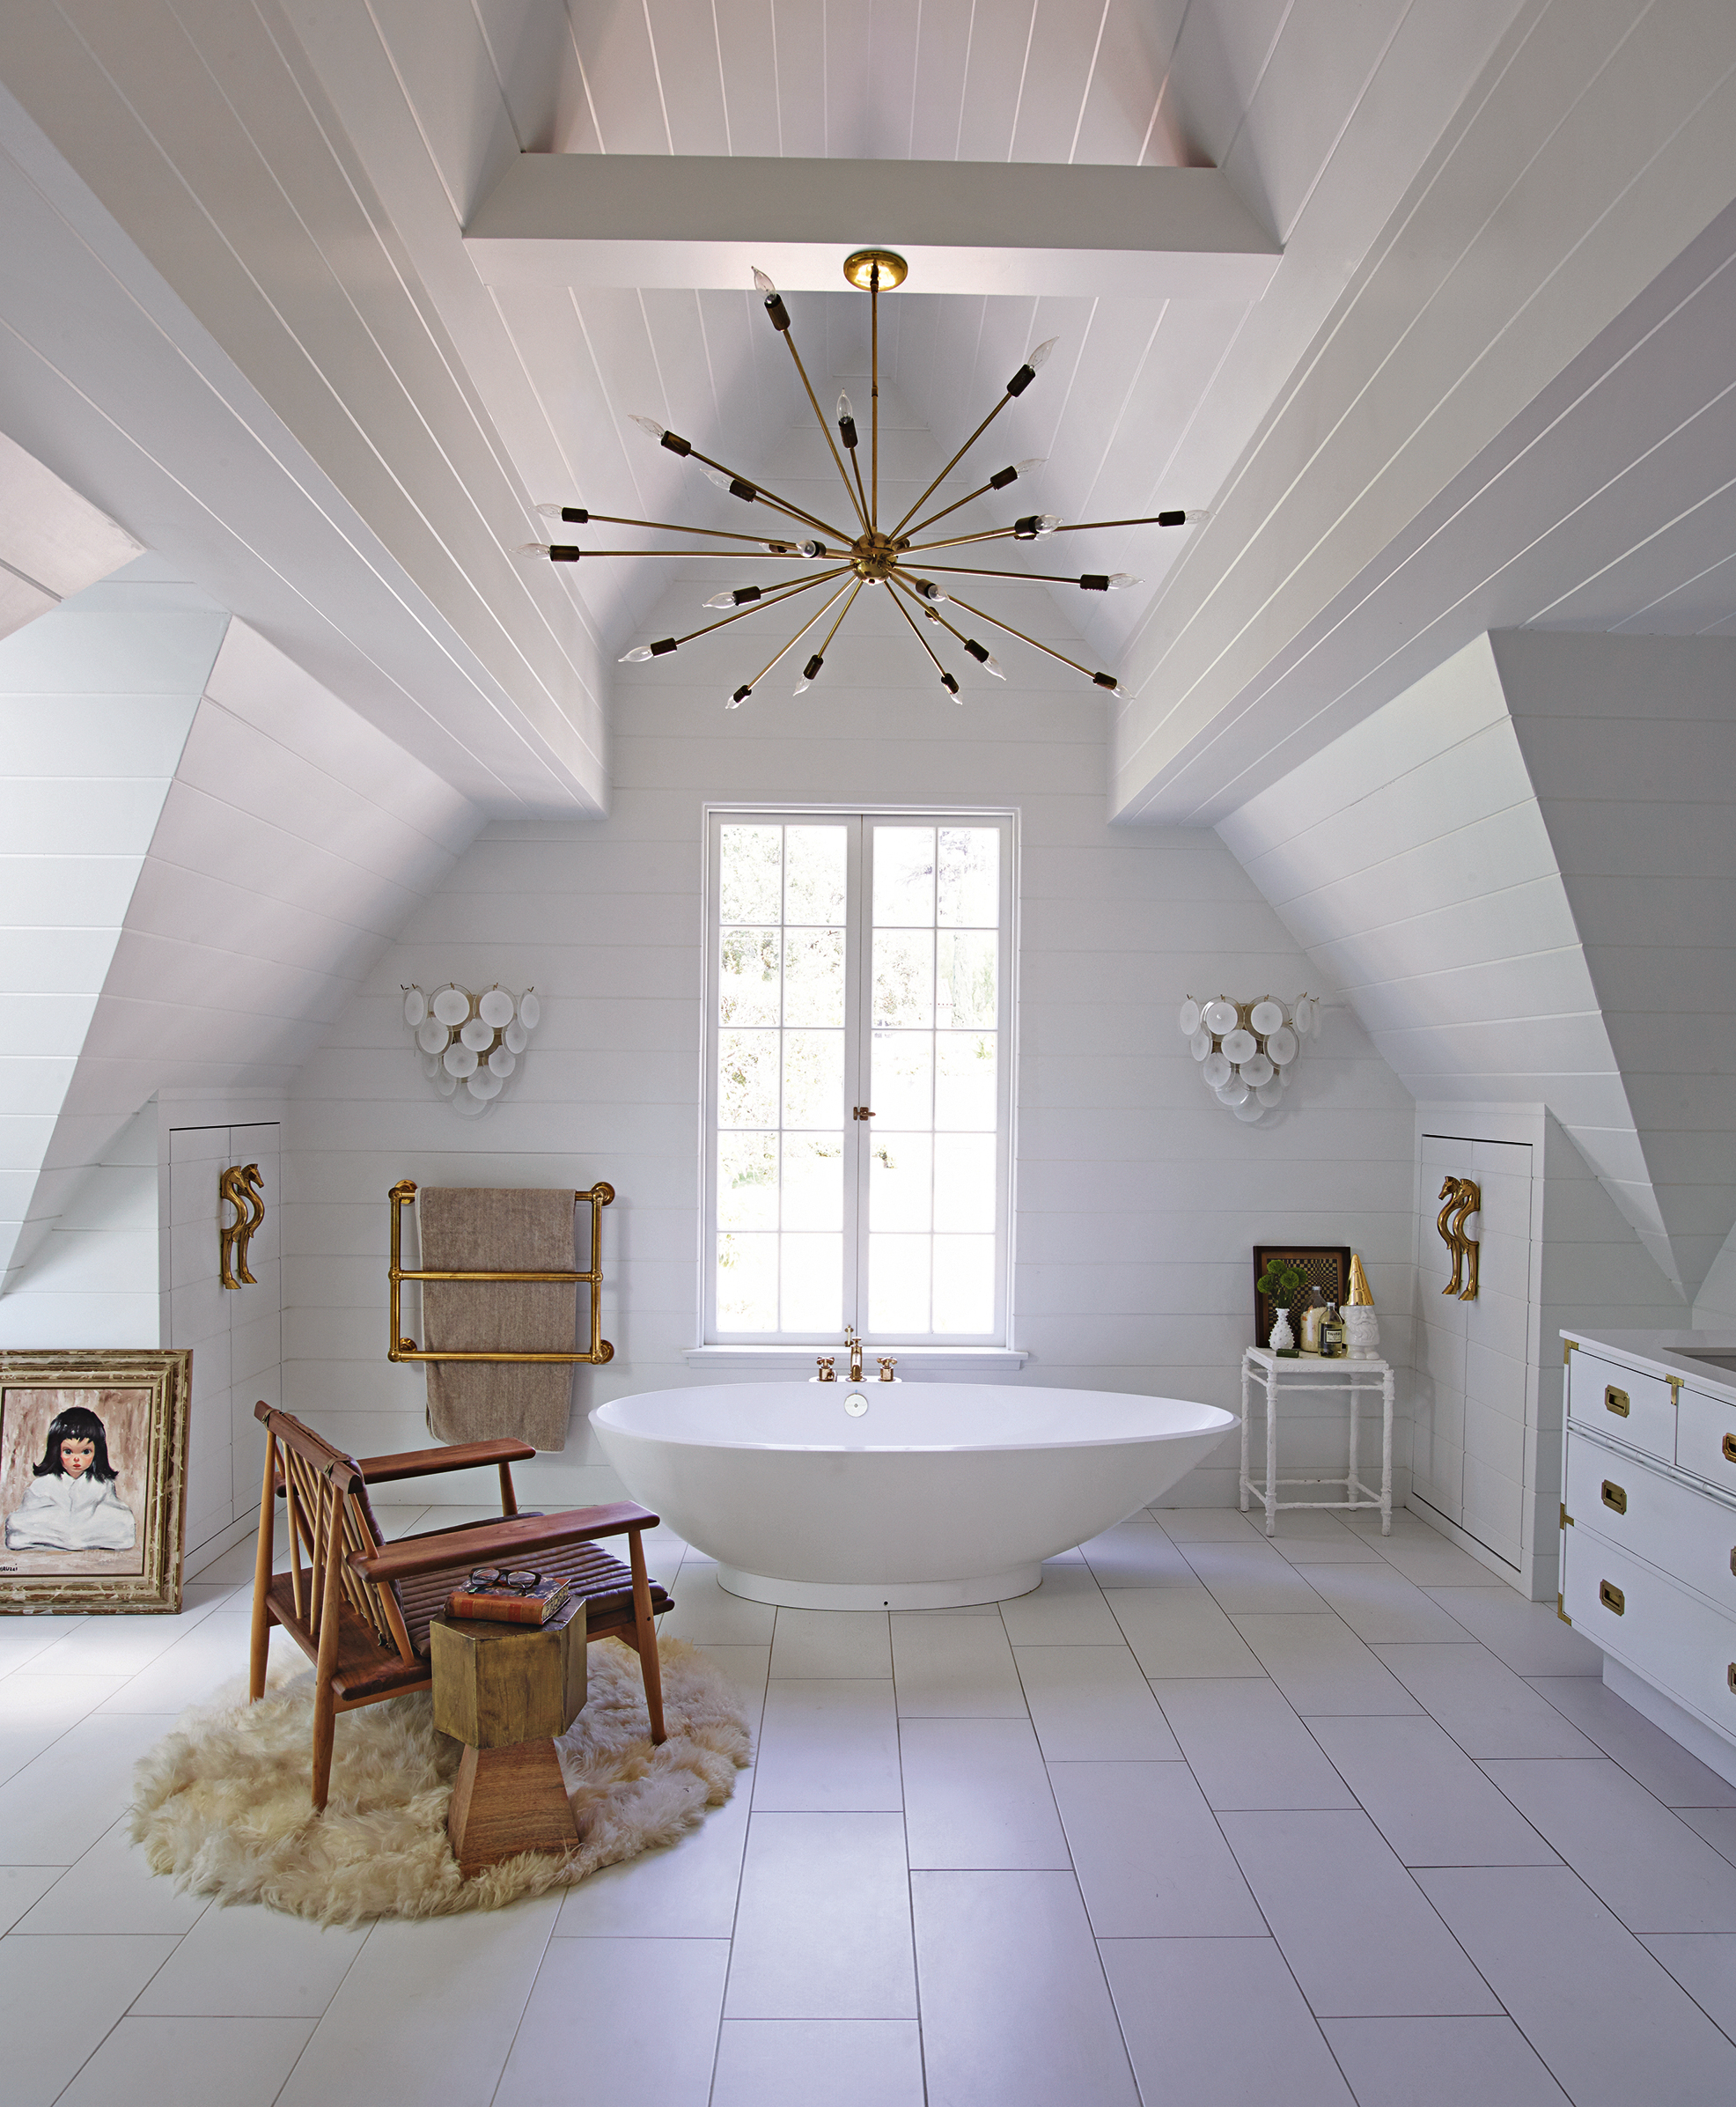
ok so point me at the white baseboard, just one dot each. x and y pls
(212, 1549)
(1515, 1576)
(1672, 1719)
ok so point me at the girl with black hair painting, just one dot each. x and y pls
(73, 1506)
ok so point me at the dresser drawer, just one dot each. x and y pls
(1668, 1636)
(1706, 1439)
(1689, 1535)
(1639, 1409)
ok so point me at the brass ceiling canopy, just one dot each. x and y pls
(865, 553)
(859, 270)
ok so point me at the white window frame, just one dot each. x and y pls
(946, 1348)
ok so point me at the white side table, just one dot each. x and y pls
(1357, 1380)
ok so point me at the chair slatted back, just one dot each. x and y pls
(326, 1504)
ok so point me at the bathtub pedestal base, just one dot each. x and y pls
(874, 1594)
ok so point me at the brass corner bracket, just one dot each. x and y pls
(401, 1349)
(244, 1189)
(1463, 1197)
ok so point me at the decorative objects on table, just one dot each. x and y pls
(1325, 1266)
(505, 1690)
(863, 553)
(1362, 1326)
(92, 1486)
(1247, 1049)
(221, 1803)
(468, 1045)
(1282, 1284)
(242, 1187)
(1275, 1376)
(1463, 1197)
(510, 1595)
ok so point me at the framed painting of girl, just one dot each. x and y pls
(92, 1455)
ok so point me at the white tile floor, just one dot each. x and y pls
(1203, 1821)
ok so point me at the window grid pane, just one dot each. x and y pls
(780, 1076)
(935, 1009)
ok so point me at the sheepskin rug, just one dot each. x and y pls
(222, 1802)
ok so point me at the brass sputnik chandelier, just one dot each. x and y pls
(865, 554)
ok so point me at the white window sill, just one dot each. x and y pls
(912, 1361)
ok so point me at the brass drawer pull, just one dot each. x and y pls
(1614, 1497)
(1729, 1448)
(1615, 1401)
(1612, 1598)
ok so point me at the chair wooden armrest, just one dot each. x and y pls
(491, 1541)
(426, 1463)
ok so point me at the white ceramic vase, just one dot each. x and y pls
(1283, 1337)
(1362, 1331)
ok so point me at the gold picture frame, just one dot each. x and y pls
(93, 1440)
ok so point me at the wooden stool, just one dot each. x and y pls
(505, 1690)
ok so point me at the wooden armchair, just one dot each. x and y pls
(360, 1608)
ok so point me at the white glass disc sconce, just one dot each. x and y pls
(1247, 1049)
(468, 1046)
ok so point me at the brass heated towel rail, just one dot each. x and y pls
(402, 1348)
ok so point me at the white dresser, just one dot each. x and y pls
(1648, 1525)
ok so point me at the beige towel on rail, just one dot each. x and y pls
(498, 1230)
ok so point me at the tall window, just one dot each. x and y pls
(858, 1077)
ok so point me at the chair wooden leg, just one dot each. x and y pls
(260, 1650)
(644, 1630)
(325, 1732)
(325, 1698)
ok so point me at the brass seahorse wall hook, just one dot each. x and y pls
(1449, 1192)
(1470, 1199)
(1463, 1197)
(242, 1186)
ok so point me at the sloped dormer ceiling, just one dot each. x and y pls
(1522, 872)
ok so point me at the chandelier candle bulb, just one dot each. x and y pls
(738, 698)
(774, 300)
(573, 515)
(951, 686)
(847, 422)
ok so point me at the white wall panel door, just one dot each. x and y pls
(235, 1334)
(1469, 1455)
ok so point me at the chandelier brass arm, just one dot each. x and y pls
(776, 597)
(789, 336)
(996, 483)
(674, 527)
(946, 679)
(1101, 679)
(769, 497)
(1087, 581)
(747, 686)
(983, 657)
(873, 556)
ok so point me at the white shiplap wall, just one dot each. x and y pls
(283, 842)
(1138, 1197)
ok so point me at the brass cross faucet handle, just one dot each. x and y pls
(887, 1364)
(855, 1345)
(827, 1373)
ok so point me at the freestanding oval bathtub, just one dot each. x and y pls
(934, 1495)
